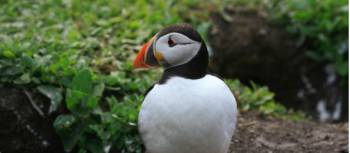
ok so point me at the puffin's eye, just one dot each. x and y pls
(171, 42)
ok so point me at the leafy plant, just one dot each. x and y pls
(47, 43)
(261, 99)
(72, 51)
(54, 94)
(92, 128)
(322, 27)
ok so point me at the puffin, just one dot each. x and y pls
(187, 110)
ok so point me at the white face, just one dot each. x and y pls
(176, 48)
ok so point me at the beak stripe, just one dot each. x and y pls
(158, 56)
(145, 58)
(150, 59)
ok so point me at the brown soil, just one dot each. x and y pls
(256, 134)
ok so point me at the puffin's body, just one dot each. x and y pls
(188, 111)
(188, 116)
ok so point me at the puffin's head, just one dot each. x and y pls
(173, 46)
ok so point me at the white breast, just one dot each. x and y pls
(188, 116)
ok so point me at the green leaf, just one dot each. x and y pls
(23, 79)
(98, 89)
(342, 68)
(8, 54)
(74, 98)
(70, 132)
(94, 145)
(64, 121)
(92, 102)
(54, 94)
(83, 81)
(28, 61)
(81, 150)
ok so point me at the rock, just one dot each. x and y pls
(25, 125)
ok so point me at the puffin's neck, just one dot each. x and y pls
(195, 69)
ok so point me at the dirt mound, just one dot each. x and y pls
(255, 134)
(248, 46)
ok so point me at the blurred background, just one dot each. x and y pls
(67, 83)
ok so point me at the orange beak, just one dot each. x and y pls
(140, 61)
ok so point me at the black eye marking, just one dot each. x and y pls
(171, 42)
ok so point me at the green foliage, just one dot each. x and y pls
(82, 95)
(45, 42)
(322, 27)
(262, 99)
(73, 51)
(54, 94)
(92, 128)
